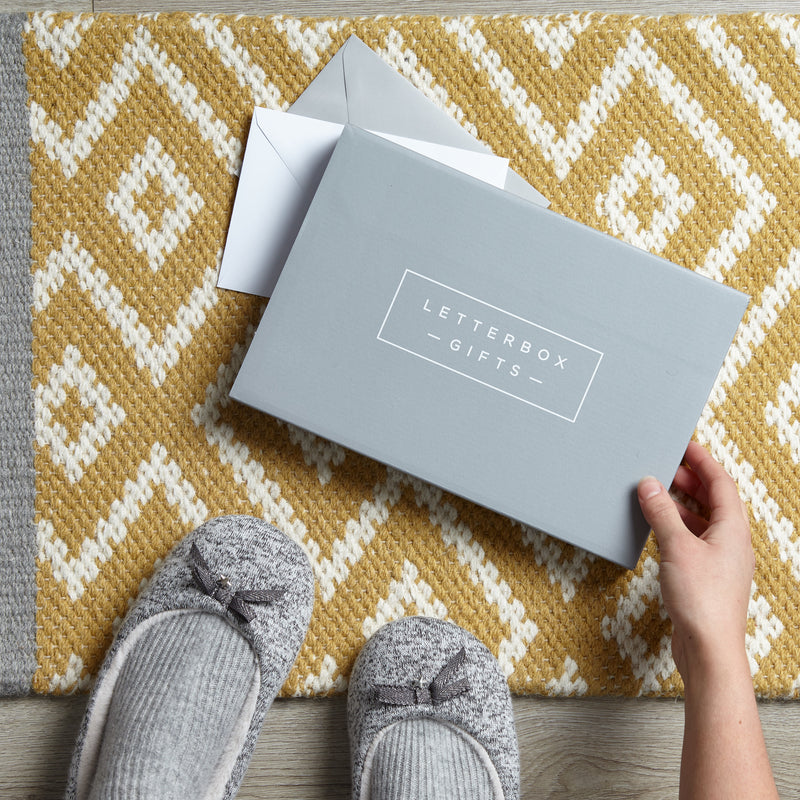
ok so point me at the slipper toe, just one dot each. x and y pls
(242, 571)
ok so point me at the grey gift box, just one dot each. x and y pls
(487, 345)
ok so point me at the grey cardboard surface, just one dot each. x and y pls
(489, 346)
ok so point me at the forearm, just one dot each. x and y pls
(724, 755)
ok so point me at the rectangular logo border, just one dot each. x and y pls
(477, 380)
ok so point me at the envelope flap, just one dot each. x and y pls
(379, 98)
(358, 87)
(302, 145)
(325, 97)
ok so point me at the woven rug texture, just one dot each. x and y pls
(680, 135)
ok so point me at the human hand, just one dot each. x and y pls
(707, 564)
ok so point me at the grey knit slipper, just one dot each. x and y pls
(421, 667)
(267, 596)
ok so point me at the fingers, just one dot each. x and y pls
(696, 524)
(661, 512)
(722, 494)
(690, 484)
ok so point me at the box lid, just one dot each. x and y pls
(489, 346)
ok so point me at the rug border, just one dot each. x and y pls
(17, 473)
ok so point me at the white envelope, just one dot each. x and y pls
(356, 86)
(284, 160)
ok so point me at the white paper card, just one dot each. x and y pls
(283, 164)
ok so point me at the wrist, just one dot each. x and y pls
(721, 663)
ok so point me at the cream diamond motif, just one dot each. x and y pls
(671, 205)
(94, 397)
(154, 172)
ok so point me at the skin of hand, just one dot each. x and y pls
(707, 565)
(707, 568)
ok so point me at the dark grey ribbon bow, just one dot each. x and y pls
(220, 589)
(439, 690)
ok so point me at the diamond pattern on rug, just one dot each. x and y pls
(678, 135)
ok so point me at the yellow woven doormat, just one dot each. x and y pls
(679, 135)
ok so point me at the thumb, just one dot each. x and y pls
(660, 511)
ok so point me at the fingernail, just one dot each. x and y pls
(649, 487)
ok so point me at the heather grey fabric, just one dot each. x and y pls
(409, 654)
(253, 555)
(424, 759)
(17, 477)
